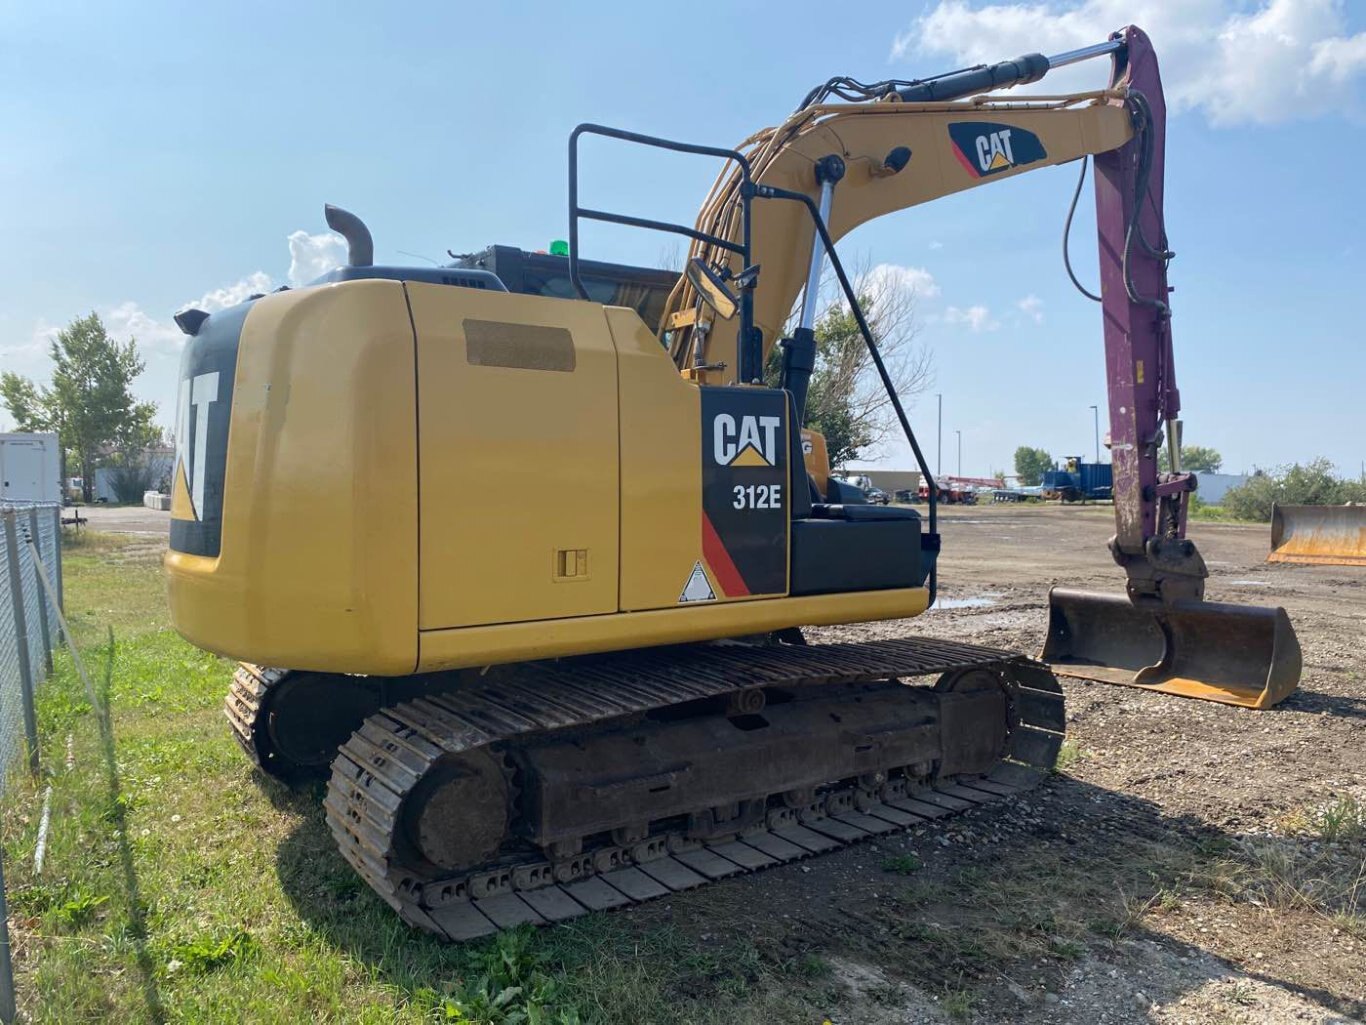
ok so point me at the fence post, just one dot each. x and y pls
(43, 604)
(8, 1012)
(57, 547)
(16, 590)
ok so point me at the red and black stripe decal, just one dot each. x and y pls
(723, 568)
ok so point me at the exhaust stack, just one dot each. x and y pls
(360, 250)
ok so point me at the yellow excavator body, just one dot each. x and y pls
(428, 477)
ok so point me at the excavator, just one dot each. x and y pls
(589, 686)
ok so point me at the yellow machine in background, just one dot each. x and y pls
(1318, 535)
(587, 685)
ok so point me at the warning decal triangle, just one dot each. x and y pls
(698, 587)
(998, 162)
(750, 456)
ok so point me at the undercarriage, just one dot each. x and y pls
(533, 793)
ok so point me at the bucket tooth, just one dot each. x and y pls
(1318, 535)
(1236, 654)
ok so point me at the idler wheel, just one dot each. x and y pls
(458, 816)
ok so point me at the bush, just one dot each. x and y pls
(1311, 484)
(130, 482)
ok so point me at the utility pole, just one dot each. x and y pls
(960, 452)
(1096, 411)
(939, 437)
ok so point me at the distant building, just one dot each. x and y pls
(159, 460)
(1213, 486)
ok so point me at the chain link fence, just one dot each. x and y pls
(28, 630)
(28, 625)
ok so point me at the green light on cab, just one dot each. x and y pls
(559, 247)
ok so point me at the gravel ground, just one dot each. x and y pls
(122, 519)
(1166, 876)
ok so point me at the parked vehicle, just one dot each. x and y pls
(1078, 481)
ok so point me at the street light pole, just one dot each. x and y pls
(960, 452)
(1096, 411)
(939, 438)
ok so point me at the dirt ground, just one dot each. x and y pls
(122, 519)
(1165, 876)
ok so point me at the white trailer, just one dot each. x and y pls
(30, 468)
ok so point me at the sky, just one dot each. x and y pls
(159, 155)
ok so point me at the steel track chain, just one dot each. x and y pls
(243, 710)
(387, 756)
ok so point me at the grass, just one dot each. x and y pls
(180, 887)
(958, 1005)
(1318, 868)
(1068, 755)
(1342, 819)
(1204, 512)
(901, 864)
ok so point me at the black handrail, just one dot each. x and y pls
(773, 192)
(749, 366)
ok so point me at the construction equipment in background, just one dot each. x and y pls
(1079, 481)
(959, 490)
(520, 704)
(1318, 535)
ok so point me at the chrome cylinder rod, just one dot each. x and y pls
(813, 277)
(1085, 53)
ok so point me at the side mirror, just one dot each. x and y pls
(711, 288)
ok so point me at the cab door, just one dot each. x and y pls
(518, 471)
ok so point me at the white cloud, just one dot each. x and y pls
(936, 244)
(975, 318)
(1032, 306)
(129, 320)
(1237, 62)
(916, 280)
(311, 256)
(38, 342)
(256, 283)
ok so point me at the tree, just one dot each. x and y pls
(1314, 483)
(89, 403)
(1196, 458)
(845, 400)
(1031, 464)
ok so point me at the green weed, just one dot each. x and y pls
(901, 864)
(207, 953)
(1343, 819)
(79, 910)
(958, 1005)
(1068, 755)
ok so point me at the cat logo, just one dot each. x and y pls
(985, 148)
(192, 430)
(751, 442)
